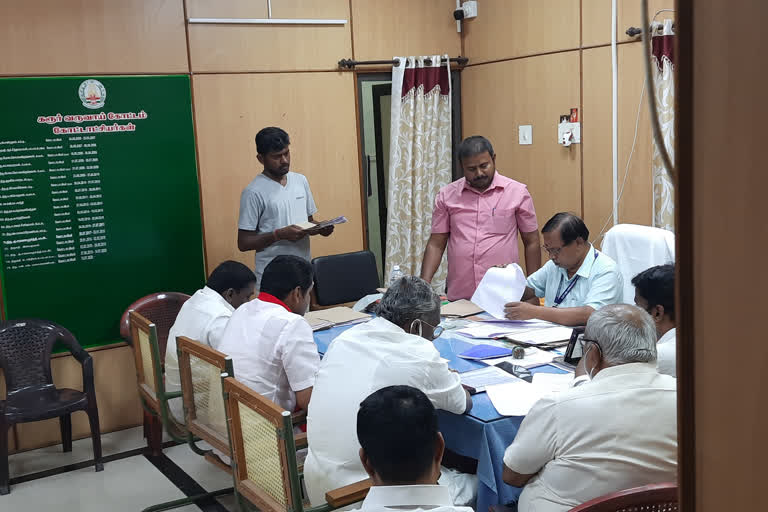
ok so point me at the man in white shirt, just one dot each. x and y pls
(577, 280)
(616, 431)
(401, 449)
(273, 203)
(393, 349)
(271, 345)
(204, 316)
(655, 293)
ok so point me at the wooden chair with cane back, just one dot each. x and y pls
(200, 369)
(150, 379)
(263, 450)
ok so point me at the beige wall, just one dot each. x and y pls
(532, 60)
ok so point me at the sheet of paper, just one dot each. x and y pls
(543, 336)
(499, 286)
(484, 377)
(514, 398)
(480, 330)
(460, 308)
(533, 357)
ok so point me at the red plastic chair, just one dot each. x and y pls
(648, 498)
(161, 309)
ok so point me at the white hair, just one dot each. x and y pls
(625, 333)
(409, 299)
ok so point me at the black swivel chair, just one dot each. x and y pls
(344, 278)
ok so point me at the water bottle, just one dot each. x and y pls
(395, 274)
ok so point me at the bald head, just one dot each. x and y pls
(625, 333)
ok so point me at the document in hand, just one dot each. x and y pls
(498, 287)
(325, 318)
(309, 226)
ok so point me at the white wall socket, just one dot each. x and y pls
(525, 133)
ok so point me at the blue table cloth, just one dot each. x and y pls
(481, 434)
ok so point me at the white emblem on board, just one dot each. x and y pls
(92, 93)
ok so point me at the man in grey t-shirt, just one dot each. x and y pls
(273, 203)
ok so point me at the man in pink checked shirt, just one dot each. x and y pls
(478, 217)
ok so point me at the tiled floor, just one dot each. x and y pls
(126, 484)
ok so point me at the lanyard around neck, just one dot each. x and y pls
(560, 297)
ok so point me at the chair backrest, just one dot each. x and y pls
(149, 376)
(649, 498)
(342, 278)
(25, 351)
(200, 368)
(636, 248)
(161, 309)
(263, 450)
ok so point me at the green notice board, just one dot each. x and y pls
(99, 199)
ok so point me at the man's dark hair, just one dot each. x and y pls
(570, 225)
(271, 139)
(474, 145)
(397, 428)
(230, 274)
(657, 286)
(284, 273)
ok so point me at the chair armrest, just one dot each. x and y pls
(348, 494)
(172, 394)
(300, 440)
(299, 417)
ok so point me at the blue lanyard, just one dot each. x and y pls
(559, 298)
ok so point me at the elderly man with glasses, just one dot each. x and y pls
(616, 431)
(393, 349)
(576, 281)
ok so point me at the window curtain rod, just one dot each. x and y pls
(350, 64)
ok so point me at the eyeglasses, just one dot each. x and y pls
(436, 329)
(556, 250)
(581, 339)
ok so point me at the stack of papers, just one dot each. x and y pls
(460, 309)
(325, 318)
(484, 377)
(530, 333)
(517, 397)
(498, 287)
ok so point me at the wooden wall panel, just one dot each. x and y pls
(721, 159)
(224, 48)
(116, 395)
(596, 22)
(499, 97)
(596, 120)
(50, 37)
(505, 29)
(636, 206)
(384, 29)
(317, 110)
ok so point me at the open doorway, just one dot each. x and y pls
(375, 97)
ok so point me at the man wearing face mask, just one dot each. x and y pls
(478, 218)
(577, 280)
(614, 432)
(393, 349)
(270, 343)
(273, 203)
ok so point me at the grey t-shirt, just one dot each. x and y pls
(266, 205)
